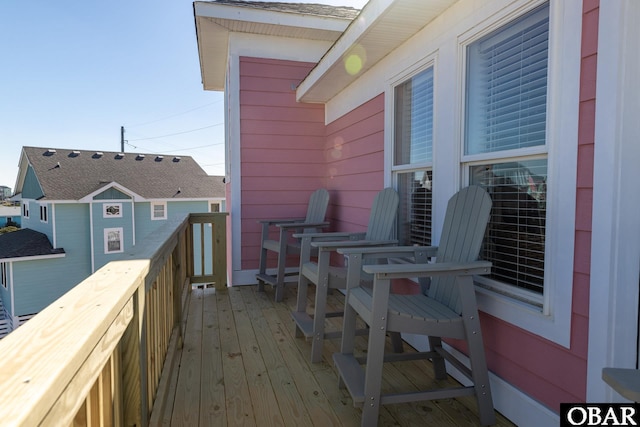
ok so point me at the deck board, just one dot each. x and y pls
(241, 364)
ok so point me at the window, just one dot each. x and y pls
(506, 121)
(44, 215)
(214, 207)
(112, 210)
(412, 162)
(4, 277)
(158, 211)
(25, 209)
(113, 240)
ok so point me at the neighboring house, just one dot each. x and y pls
(82, 209)
(9, 215)
(535, 100)
(5, 192)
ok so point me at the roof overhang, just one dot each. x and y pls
(215, 22)
(381, 27)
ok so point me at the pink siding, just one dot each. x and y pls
(281, 147)
(354, 152)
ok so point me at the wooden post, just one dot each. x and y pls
(134, 356)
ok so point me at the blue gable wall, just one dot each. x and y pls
(31, 188)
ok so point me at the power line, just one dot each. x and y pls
(177, 133)
(173, 115)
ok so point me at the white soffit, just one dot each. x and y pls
(382, 26)
(215, 21)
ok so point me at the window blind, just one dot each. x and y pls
(415, 189)
(515, 237)
(507, 86)
(414, 119)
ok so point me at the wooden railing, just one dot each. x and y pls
(95, 356)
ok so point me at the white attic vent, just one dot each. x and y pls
(74, 153)
(177, 159)
(159, 158)
(140, 157)
(120, 156)
(50, 152)
(98, 154)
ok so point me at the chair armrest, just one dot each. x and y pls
(280, 221)
(302, 224)
(336, 235)
(352, 243)
(393, 251)
(401, 271)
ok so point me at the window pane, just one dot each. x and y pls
(158, 211)
(414, 189)
(414, 119)
(507, 86)
(515, 237)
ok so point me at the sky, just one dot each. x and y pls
(73, 72)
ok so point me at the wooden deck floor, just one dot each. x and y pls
(242, 366)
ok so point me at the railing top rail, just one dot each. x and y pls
(39, 360)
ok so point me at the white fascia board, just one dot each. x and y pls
(272, 47)
(372, 11)
(268, 17)
(34, 258)
(89, 197)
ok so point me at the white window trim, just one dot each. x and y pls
(5, 271)
(107, 205)
(158, 218)
(106, 241)
(554, 321)
(565, 24)
(45, 209)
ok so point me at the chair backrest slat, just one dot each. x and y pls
(464, 226)
(383, 214)
(317, 208)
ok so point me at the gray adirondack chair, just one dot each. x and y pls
(286, 244)
(446, 309)
(326, 276)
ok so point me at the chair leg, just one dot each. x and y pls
(319, 318)
(439, 367)
(373, 374)
(301, 304)
(262, 267)
(282, 261)
(396, 342)
(480, 376)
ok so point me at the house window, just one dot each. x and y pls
(505, 148)
(113, 240)
(158, 211)
(44, 214)
(214, 207)
(112, 210)
(4, 277)
(25, 209)
(412, 161)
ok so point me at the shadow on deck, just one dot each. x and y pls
(242, 365)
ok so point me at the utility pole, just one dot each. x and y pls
(122, 139)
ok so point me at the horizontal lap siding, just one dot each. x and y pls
(354, 153)
(281, 147)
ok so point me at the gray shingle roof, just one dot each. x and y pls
(73, 174)
(26, 243)
(299, 8)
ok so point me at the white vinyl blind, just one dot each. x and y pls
(414, 119)
(507, 86)
(415, 208)
(515, 238)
